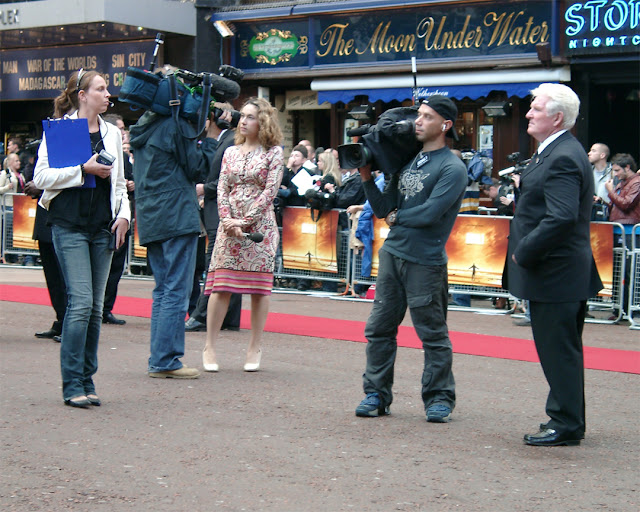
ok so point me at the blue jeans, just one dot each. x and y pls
(173, 263)
(462, 299)
(85, 260)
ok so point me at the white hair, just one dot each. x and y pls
(561, 99)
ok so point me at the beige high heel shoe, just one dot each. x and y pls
(253, 367)
(209, 367)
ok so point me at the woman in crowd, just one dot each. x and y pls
(84, 222)
(11, 180)
(249, 181)
(330, 168)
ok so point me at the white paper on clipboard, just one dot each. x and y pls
(304, 181)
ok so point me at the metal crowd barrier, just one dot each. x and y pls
(606, 303)
(136, 254)
(634, 285)
(611, 303)
(26, 246)
(349, 264)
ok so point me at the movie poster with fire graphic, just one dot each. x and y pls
(309, 243)
(477, 249)
(24, 217)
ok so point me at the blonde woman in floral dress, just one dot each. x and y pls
(249, 181)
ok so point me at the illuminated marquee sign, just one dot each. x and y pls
(41, 73)
(603, 27)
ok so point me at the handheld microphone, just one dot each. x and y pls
(111, 104)
(254, 237)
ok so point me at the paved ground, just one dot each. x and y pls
(286, 438)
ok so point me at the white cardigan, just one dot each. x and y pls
(53, 180)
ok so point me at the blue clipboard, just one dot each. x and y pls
(68, 144)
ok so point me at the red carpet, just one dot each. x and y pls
(625, 361)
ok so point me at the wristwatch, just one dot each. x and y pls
(391, 218)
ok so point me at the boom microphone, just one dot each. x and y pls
(255, 237)
(508, 170)
(223, 89)
(514, 168)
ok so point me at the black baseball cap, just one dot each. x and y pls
(446, 108)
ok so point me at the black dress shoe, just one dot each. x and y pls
(82, 404)
(108, 318)
(230, 328)
(192, 325)
(545, 426)
(550, 437)
(48, 334)
(94, 400)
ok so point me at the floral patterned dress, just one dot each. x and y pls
(247, 187)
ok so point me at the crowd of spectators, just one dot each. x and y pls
(313, 178)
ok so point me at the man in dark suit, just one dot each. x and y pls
(550, 261)
(209, 189)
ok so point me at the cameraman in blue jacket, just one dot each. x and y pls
(167, 166)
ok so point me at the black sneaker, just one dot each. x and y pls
(371, 407)
(193, 325)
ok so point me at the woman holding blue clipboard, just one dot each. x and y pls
(89, 216)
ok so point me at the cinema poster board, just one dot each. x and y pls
(477, 249)
(139, 251)
(309, 243)
(380, 232)
(602, 247)
(24, 217)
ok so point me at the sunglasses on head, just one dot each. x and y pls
(81, 73)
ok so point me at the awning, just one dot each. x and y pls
(455, 91)
(473, 85)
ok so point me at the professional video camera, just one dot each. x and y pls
(32, 146)
(192, 93)
(517, 168)
(223, 124)
(388, 145)
(318, 199)
(221, 90)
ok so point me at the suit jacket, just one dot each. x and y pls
(549, 233)
(211, 218)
